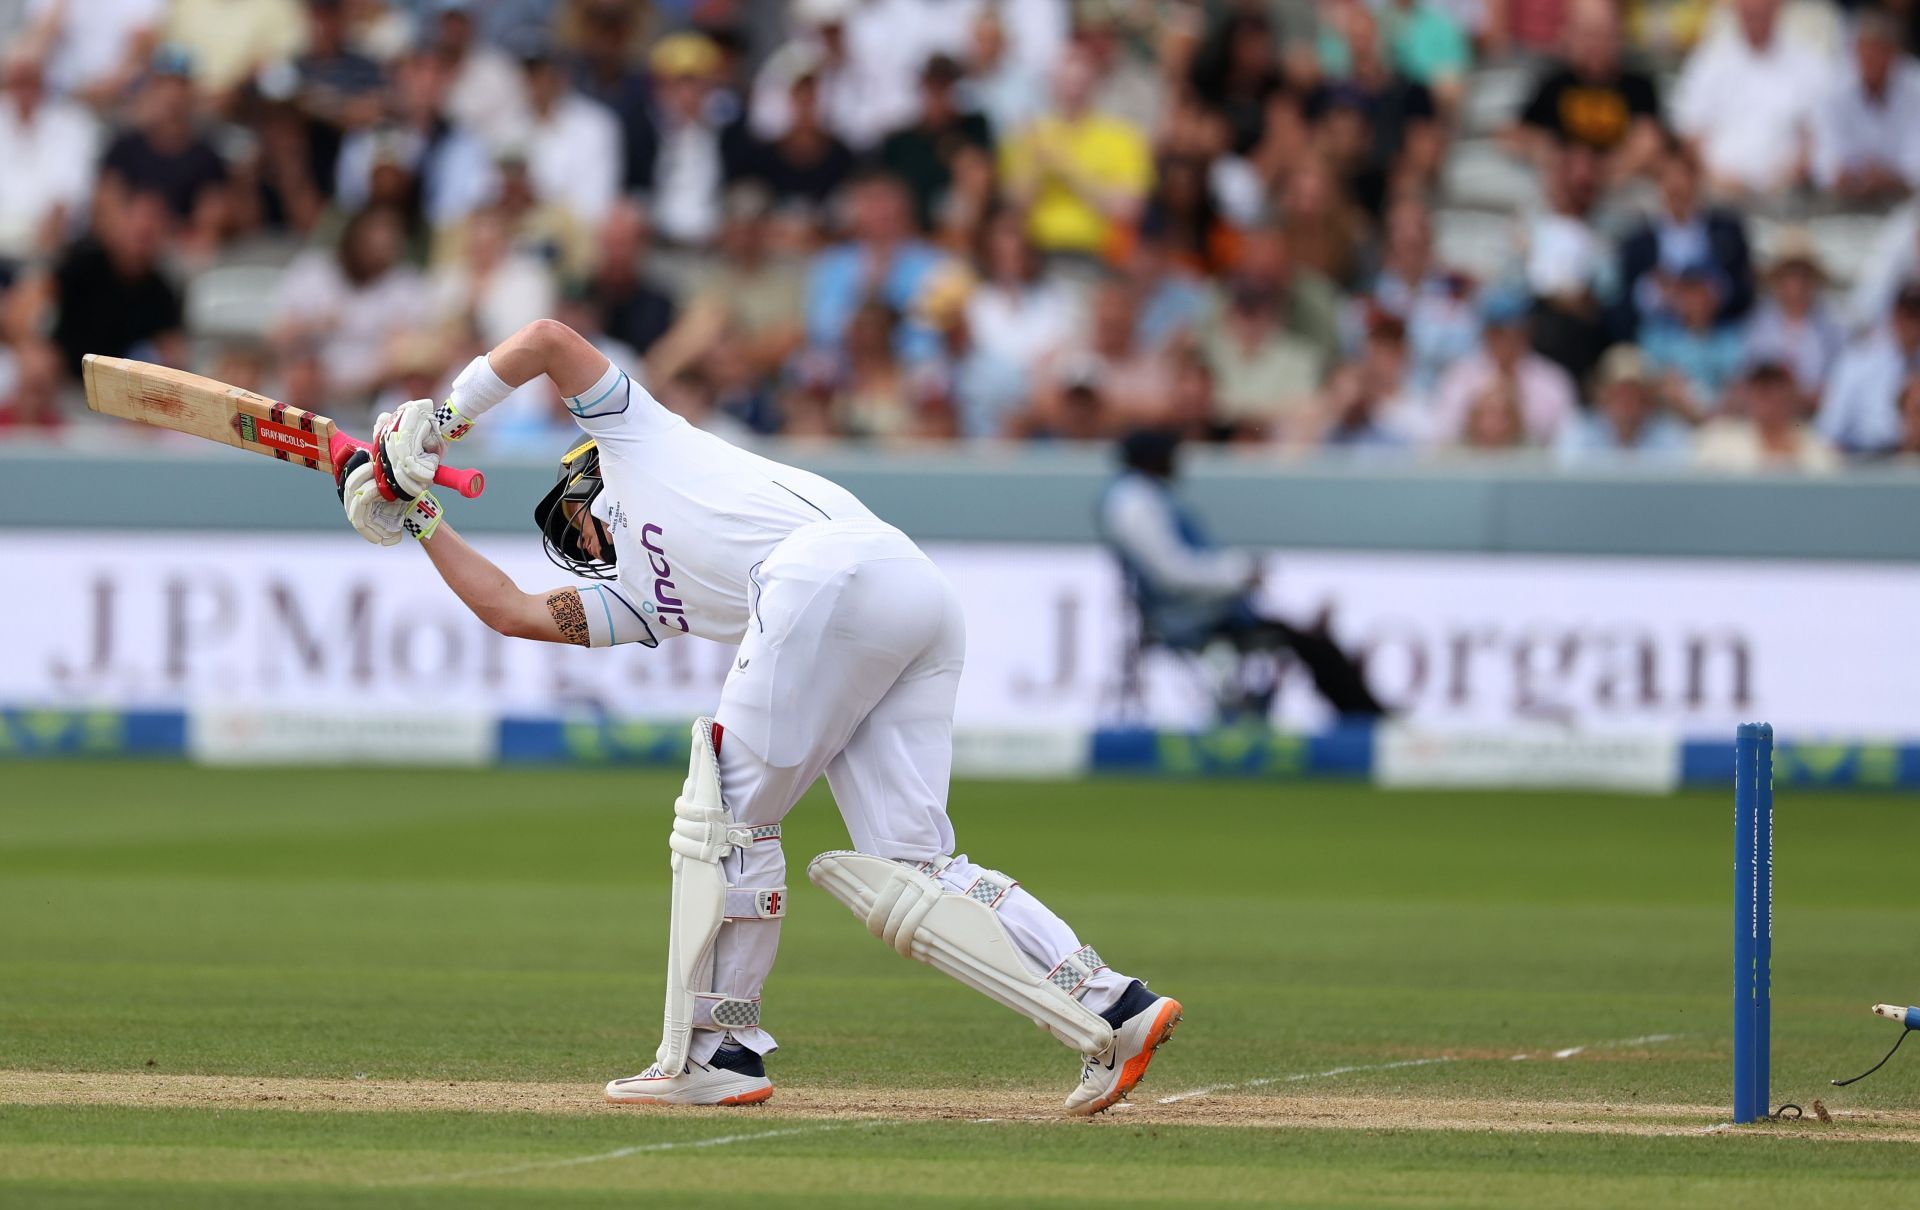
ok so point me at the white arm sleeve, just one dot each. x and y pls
(1140, 525)
(613, 618)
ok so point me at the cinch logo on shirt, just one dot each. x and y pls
(669, 607)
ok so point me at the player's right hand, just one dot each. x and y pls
(408, 446)
(376, 518)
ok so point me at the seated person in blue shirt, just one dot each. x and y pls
(1192, 595)
(1630, 419)
(1697, 350)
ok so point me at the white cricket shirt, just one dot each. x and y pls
(692, 518)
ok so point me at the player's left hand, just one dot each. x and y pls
(408, 448)
(376, 518)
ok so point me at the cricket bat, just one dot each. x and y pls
(188, 403)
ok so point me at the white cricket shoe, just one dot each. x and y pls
(729, 1079)
(1142, 1023)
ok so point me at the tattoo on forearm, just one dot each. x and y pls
(564, 605)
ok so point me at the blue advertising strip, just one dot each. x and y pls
(593, 740)
(30, 732)
(1872, 766)
(1244, 750)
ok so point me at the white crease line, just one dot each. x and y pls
(622, 1152)
(1567, 1053)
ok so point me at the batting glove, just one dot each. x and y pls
(407, 450)
(377, 519)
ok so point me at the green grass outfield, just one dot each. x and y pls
(319, 987)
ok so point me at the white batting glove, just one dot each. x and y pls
(407, 446)
(380, 520)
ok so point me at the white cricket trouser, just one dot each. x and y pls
(849, 668)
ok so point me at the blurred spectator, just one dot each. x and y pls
(31, 402)
(274, 185)
(348, 302)
(1859, 409)
(1308, 305)
(1628, 420)
(870, 392)
(1792, 324)
(1429, 46)
(853, 91)
(1541, 393)
(1696, 352)
(633, 309)
(748, 298)
(485, 91)
(1236, 71)
(1014, 314)
(1174, 295)
(1495, 420)
(1008, 90)
(1590, 97)
(1566, 262)
(1135, 51)
(1681, 232)
(1182, 218)
(1747, 96)
(1265, 374)
(229, 42)
(1866, 144)
(1435, 305)
(544, 230)
(1764, 431)
(1330, 232)
(1128, 378)
(1081, 174)
(47, 150)
(575, 150)
(807, 162)
(93, 49)
(1193, 410)
(604, 71)
(165, 153)
(339, 88)
(928, 155)
(1380, 130)
(493, 289)
(112, 296)
(448, 167)
(689, 168)
(882, 260)
(1370, 403)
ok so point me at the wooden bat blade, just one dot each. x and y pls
(189, 403)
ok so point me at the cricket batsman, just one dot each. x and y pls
(850, 649)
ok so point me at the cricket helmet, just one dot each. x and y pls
(568, 507)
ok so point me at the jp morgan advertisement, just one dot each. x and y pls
(325, 622)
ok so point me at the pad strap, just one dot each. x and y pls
(1075, 969)
(756, 903)
(991, 888)
(725, 1012)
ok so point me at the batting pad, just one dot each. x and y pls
(958, 936)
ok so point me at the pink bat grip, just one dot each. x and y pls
(469, 483)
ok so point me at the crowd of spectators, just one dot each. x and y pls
(1026, 219)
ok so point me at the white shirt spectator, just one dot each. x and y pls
(1751, 108)
(46, 162)
(1548, 399)
(92, 38)
(513, 293)
(687, 176)
(1860, 409)
(575, 155)
(1021, 326)
(1852, 130)
(488, 95)
(352, 323)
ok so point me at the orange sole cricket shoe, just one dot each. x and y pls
(1147, 1022)
(730, 1079)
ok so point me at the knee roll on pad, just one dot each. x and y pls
(960, 935)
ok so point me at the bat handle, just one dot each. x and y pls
(469, 483)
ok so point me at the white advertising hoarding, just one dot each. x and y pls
(246, 620)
